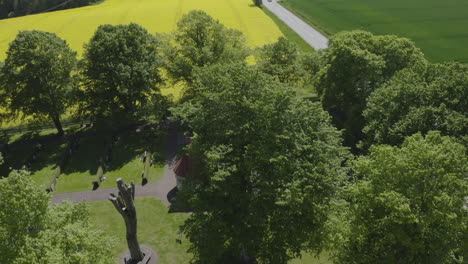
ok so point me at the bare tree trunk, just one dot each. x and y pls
(125, 206)
(58, 124)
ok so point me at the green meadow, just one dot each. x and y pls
(158, 229)
(439, 28)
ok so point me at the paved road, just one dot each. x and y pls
(158, 189)
(308, 33)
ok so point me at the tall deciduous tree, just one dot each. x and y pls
(33, 231)
(120, 70)
(413, 102)
(200, 40)
(36, 78)
(283, 60)
(271, 163)
(408, 206)
(355, 64)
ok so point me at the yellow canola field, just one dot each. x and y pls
(77, 25)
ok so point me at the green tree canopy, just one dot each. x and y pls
(355, 64)
(413, 102)
(199, 41)
(36, 78)
(270, 163)
(282, 60)
(33, 231)
(408, 205)
(120, 70)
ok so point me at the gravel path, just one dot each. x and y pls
(158, 189)
(308, 33)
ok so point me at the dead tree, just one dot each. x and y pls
(125, 206)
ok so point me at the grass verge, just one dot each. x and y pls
(156, 228)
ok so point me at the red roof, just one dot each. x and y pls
(182, 167)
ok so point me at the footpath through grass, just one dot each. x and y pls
(439, 28)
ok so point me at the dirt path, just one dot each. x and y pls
(314, 38)
(158, 189)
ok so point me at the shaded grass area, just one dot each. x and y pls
(25, 135)
(81, 169)
(288, 32)
(83, 165)
(29, 135)
(156, 228)
(125, 162)
(437, 27)
(43, 169)
(15, 159)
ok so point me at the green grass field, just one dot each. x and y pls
(156, 228)
(439, 28)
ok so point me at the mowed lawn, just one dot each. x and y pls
(158, 229)
(78, 25)
(439, 28)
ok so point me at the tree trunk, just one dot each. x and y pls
(132, 242)
(58, 124)
(125, 206)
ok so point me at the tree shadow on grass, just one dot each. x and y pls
(82, 162)
(33, 150)
(117, 152)
(132, 144)
(30, 136)
(85, 158)
(34, 153)
(14, 159)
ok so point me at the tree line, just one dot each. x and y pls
(372, 171)
(15, 8)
